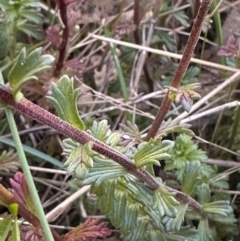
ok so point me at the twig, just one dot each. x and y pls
(62, 49)
(53, 214)
(182, 68)
(136, 21)
(222, 163)
(163, 53)
(211, 111)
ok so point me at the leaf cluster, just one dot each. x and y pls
(18, 17)
(138, 212)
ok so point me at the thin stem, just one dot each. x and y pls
(118, 66)
(183, 65)
(62, 50)
(29, 109)
(136, 21)
(218, 24)
(28, 175)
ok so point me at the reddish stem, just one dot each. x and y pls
(29, 109)
(182, 67)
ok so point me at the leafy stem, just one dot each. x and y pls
(31, 110)
(182, 67)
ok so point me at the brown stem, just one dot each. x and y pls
(31, 110)
(182, 67)
(35, 112)
(62, 49)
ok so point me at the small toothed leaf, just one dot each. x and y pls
(165, 203)
(205, 232)
(221, 208)
(80, 160)
(100, 130)
(152, 152)
(64, 99)
(176, 222)
(103, 169)
(191, 173)
(26, 68)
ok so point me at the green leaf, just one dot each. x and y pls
(26, 68)
(29, 29)
(15, 230)
(169, 127)
(5, 226)
(155, 234)
(181, 17)
(80, 160)
(205, 232)
(204, 193)
(184, 150)
(131, 129)
(175, 223)
(64, 99)
(103, 169)
(152, 152)
(100, 130)
(164, 202)
(4, 41)
(191, 177)
(185, 233)
(221, 208)
(31, 15)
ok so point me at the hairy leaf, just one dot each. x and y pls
(164, 202)
(26, 68)
(185, 232)
(104, 169)
(175, 223)
(131, 130)
(205, 232)
(184, 150)
(64, 99)
(190, 177)
(80, 160)
(152, 152)
(100, 130)
(170, 127)
(204, 193)
(221, 208)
